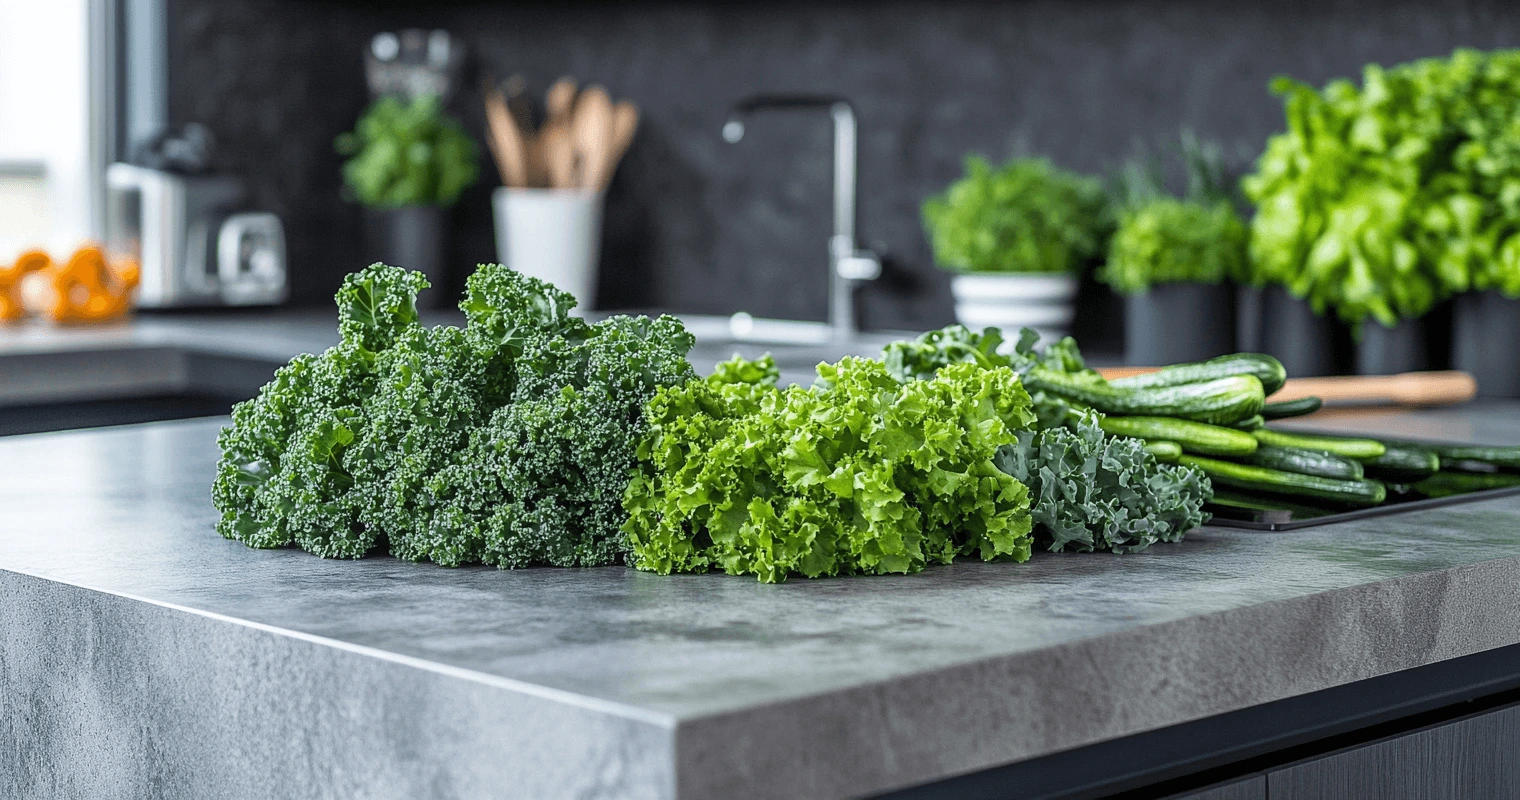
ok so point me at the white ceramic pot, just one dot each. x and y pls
(1042, 301)
(551, 234)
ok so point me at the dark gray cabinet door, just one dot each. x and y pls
(1470, 758)
(1247, 789)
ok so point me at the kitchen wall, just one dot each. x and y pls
(696, 224)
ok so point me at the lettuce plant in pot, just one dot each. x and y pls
(407, 162)
(1384, 198)
(1016, 237)
(1176, 261)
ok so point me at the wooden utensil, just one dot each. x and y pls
(625, 121)
(556, 147)
(560, 101)
(592, 129)
(559, 155)
(1441, 388)
(508, 146)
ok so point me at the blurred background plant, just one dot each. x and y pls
(1382, 199)
(407, 154)
(1163, 239)
(1025, 216)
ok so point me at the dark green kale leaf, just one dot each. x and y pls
(508, 442)
(283, 476)
(1089, 491)
(378, 303)
(541, 482)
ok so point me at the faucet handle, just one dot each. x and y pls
(859, 265)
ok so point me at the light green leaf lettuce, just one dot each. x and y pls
(1379, 200)
(858, 474)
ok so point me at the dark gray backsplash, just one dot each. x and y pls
(699, 225)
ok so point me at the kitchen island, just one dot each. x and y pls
(143, 655)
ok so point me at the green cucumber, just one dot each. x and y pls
(1446, 484)
(1250, 423)
(1193, 437)
(1359, 449)
(1305, 462)
(1497, 455)
(1164, 451)
(1283, 409)
(1275, 481)
(1464, 465)
(1402, 463)
(1265, 368)
(1218, 402)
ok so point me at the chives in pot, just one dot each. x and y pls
(1176, 261)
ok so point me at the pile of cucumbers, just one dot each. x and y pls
(1213, 415)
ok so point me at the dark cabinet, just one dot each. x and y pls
(1474, 757)
(1254, 788)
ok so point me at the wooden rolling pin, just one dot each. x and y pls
(1443, 388)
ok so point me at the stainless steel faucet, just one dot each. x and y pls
(848, 264)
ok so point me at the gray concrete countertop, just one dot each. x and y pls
(142, 654)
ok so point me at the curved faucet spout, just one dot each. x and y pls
(847, 263)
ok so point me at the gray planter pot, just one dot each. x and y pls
(1307, 344)
(1177, 322)
(411, 237)
(1389, 351)
(1487, 330)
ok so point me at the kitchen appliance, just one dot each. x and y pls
(193, 246)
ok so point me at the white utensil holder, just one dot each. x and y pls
(554, 235)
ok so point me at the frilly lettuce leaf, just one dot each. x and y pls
(858, 474)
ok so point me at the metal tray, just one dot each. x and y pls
(1292, 517)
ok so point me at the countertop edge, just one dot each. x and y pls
(592, 704)
(869, 738)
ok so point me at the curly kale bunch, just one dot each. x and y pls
(1090, 491)
(1025, 216)
(507, 442)
(407, 154)
(858, 474)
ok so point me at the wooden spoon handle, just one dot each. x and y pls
(625, 122)
(508, 148)
(1442, 388)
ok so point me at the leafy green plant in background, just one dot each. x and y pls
(1163, 239)
(1025, 216)
(1381, 199)
(407, 154)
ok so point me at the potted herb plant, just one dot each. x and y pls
(1383, 199)
(1016, 237)
(1176, 261)
(407, 163)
